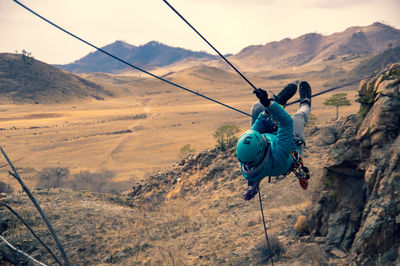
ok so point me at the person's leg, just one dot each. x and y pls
(302, 115)
(300, 119)
(256, 109)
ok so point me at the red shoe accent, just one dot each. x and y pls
(303, 183)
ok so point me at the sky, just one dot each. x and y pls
(230, 25)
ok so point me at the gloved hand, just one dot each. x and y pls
(262, 95)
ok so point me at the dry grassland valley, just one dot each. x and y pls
(101, 146)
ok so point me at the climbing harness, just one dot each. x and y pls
(301, 172)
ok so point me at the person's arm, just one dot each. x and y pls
(285, 128)
(263, 124)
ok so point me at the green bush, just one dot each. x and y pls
(185, 151)
(225, 134)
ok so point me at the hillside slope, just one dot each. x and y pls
(315, 48)
(193, 212)
(150, 55)
(377, 62)
(26, 80)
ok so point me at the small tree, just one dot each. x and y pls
(338, 99)
(52, 177)
(185, 150)
(225, 134)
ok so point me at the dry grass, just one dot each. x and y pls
(202, 221)
(145, 128)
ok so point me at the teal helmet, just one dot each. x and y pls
(250, 148)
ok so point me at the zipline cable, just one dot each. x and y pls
(229, 63)
(201, 36)
(129, 64)
(349, 83)
(181, 87)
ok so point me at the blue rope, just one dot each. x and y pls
(129, 64)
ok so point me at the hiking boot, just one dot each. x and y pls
(249, 194)
(286, 93)
(305, 93)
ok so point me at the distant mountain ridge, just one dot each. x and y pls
(152, 54)
(315, 48)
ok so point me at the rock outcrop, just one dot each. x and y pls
(357, 209)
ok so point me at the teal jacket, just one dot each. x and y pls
(278, 158)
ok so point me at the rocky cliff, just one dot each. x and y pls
(357, 209)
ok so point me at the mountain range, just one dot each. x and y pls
(152, 54)
(312, 48)
(315, 48)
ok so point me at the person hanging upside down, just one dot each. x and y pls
(270, 150)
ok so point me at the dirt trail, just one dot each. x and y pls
(122, 140)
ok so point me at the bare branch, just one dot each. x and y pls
(28, 192)
(21, 252)
(31, 230)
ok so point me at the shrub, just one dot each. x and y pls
(225, 134)
(52, 177)
(5, 188)
(185, 150)
(262, 252)
(99, 181)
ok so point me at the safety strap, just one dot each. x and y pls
(299, 170)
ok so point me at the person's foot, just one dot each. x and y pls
(305, 93)
(286, 93)
(249, 194)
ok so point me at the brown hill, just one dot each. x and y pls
(193, 213)
(315, 48)
(24, 79)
